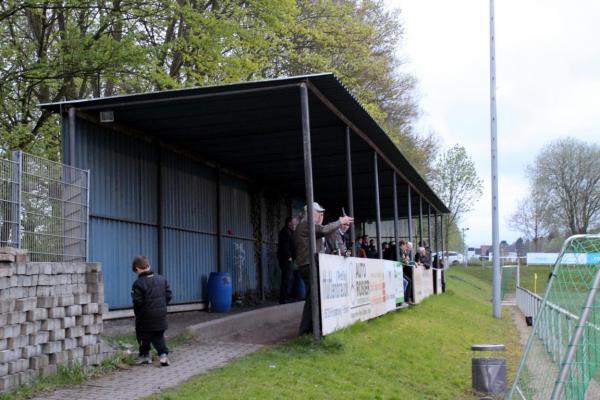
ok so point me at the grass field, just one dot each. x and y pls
(418, 353)
(509, 276)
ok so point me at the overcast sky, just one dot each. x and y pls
(548, 77)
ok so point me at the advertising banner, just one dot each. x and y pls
(355, 289)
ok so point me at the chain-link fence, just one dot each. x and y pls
(563, 349)
(44, 208)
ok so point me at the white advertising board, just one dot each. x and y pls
(550, 258)
(423, 283)
(355, 289)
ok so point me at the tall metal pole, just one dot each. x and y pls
(394, 188)
(312, 240)
(350, 190)
(429, 229)
(71, 137)
(377, 206)
(497, 273)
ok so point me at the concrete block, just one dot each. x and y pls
(4, 369)
(93, 277)
(8, 382)
(80, 268)
(69, 344)
(27, 376)
(51, 324)
(3, 345)
(98, 298)
(59, 268)
(75, 332)
(58, 357)
(7, 356)
(75, 354)
(47, 280)
(63, 279)
(95, 288)
(52, 347)
(98, 319)
(66, 300)
(20, 365)
(39, 362)
(37, 314)
(7, 258)
(90, 350)
(27, 328)
(15, 292)
(83, 298)
(15, 318)
(33, 269)
(24, 280)
(56, 312)
(45, 291)
(7, 270)
(74, 310)
(41, 337)
(48, 370)
(93, 329)
(68, 322)
(46, 268)
(91, 308)
(17, 342)
(57, 334)
(4, 282)
(104, 308)
(7, 306)
(83, 320)
(9, 331)
(47, 301)
(31, 351)
(8, 250)
(20, 267)
(30, 291)
(3, 319)
(87, 340)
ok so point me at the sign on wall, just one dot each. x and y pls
(358, 289)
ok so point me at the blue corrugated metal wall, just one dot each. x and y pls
(124, 217)
(190, 225)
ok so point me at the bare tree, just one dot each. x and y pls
(566, 173)
(532, 219)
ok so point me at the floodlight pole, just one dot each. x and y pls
(497, 276)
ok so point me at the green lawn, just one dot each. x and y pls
(509, 276)
(419, 353)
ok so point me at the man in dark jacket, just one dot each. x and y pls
(285, 255)
(150, 294)
(301, 242)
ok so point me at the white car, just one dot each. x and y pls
(452, 257)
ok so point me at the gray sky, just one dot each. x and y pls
(548, 76)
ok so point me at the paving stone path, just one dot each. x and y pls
(141, 381)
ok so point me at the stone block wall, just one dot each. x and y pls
(50, 314)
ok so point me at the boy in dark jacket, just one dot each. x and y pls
(150, 294)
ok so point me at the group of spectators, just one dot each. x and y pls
(334, 238)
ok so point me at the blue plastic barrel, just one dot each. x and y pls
(219, 292)
(299, 291)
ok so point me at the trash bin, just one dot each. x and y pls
(488, 369)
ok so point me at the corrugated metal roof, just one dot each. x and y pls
(254, 128)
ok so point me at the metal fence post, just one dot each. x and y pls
(16, 195)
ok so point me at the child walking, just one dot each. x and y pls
(150, 294)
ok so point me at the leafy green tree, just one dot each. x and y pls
(72, 49)
(455, 180)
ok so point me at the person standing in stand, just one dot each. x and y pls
(285, 256)
(301, 242)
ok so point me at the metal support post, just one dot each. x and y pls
(410, 221)
(350, 190)
(312, 240)
(377, 206)
(219, 222)
(420, 220)
(395, 190)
